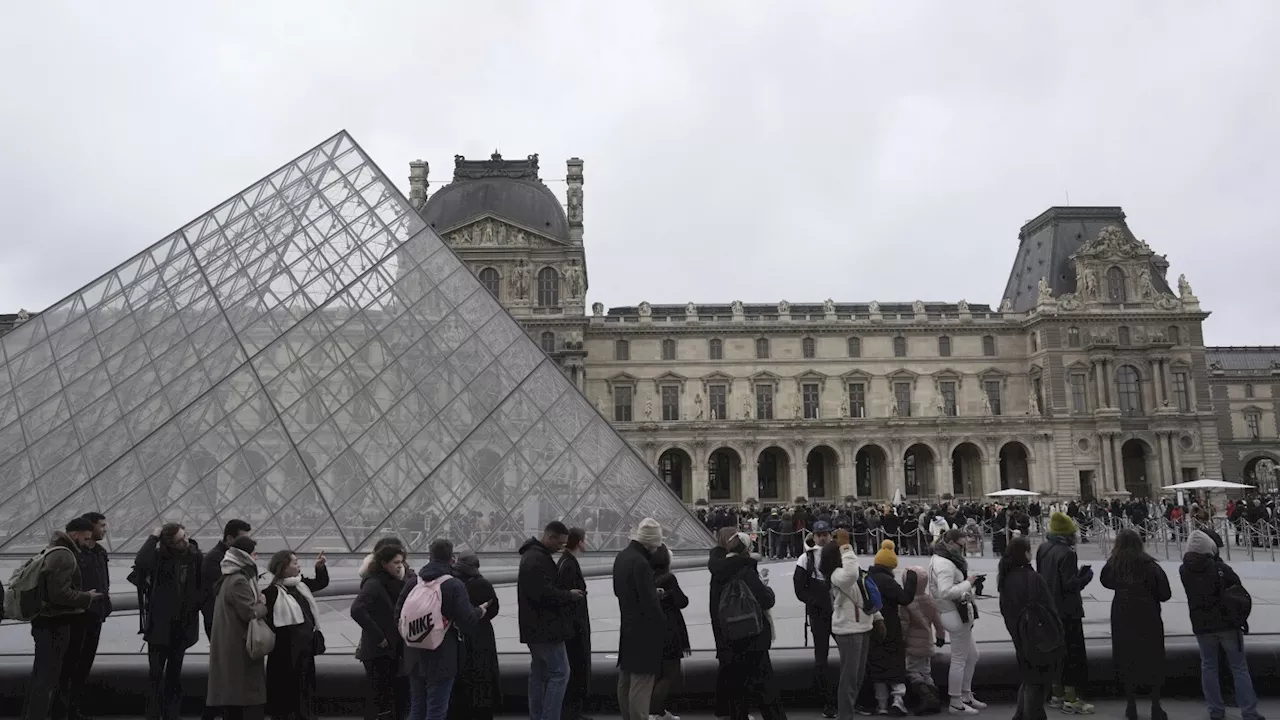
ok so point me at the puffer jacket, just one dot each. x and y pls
(947, 585)
(847, 616)
(920, 621)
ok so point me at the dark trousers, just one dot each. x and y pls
(750, 678)
(1031, 702)
(1075, 672)
(243, 712)
(86, 631)
(662, 685)
(164, 701)
(46, 689)
(382, 674)
(820, 626)
(579, 689)
(209, 712)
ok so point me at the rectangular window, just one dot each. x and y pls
(717, 349)
(899, 347)
(1079, 393)
(992, 388)
(944, 346)
(1189, 475)
(762, 348)
(808, 348)
(670, 402)
(1123, 335)
(621, 350)
(716, 401)
(622, 403)
(857, 400)
(1073, 337)
(902, 398)
(764, 402)
(989, 346)
(809, 394)
(668, 349)
(1253, 421)
(1181, 394)
(855, 347)
(948, 392)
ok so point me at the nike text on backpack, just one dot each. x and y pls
(1040, 635)
(22, 599)
(740, 613)
(422, 623)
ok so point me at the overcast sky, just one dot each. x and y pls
(737, 150)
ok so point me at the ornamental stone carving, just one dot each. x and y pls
(736, 307)
(918, 307)
(520, 276)
(784, 308)
(1006, 305)
(963, 305)
(648, 408)
(573, 279)
(23, 316)
(597, 309)
(1146, 290)
(874, 308)
(691, 310)
(829, 306)
(574, 196)
(1165, 301)
(1112, 242)
(1070, 302)
(645, 309)
(1044, 294)
(1184, 287)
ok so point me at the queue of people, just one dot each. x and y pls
(429, 649)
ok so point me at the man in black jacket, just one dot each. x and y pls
(168, 566)
(578, 647)
(86, 629)
(543, 618)
(814, 591)
(210, 571)
(642, 624)
(1057, 563)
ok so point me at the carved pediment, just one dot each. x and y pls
(856, 376)
(903, 375)
(764, 377)
(717, 378)
(811, 376)
(490, 231)
(946, 374)
(1078, 366)
(670, 378)
(623, 378)
(1114, 243)
(994, 373)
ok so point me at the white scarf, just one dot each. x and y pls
(287, 611)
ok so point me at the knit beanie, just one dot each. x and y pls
(1060, 524)
(1200, 542)
(887, 557)
(648, 534)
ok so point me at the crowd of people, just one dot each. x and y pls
(429, 651)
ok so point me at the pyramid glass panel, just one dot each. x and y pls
(308, 356)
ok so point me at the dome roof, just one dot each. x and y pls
(507, 189)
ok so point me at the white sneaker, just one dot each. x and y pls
(974, 703)
(961, 709)
(668, 716)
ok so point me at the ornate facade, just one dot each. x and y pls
(1245, 384)
(1088, 378)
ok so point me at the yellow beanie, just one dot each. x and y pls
(886, 557)
(1061, 524)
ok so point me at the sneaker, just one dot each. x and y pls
(882, 711)
(974, 703)
(1055, 702)
(828, 713)
(898, 708)
(960, 709)
(668, 716)
(859, 710)
(1079, 707)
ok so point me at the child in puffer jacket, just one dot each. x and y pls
(922, 626)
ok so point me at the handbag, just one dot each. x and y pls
(317, 643)
(259, 641)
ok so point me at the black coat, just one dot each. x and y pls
(1057, 564)
(1020, 587)
(174, 595)
(374, 610)
(476, 686)
(94, 575)
(724, 568)
(210, 572)
(1200, 578)
(291, 664)
(544, 605)
(887, 659)
(815, 593)
(674, 601)
(642, 626)
(1137, 630)
(569, 576)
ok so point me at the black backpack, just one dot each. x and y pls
(740, 614)
(1041, 635)
(1237, 603)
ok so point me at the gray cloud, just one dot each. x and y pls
(733, 150)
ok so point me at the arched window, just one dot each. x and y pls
(548, 342)
(1129, 390)
(1073, 337)
(899, 346)
(491, 280)
(548, 287)
(762, 348)
(808, 348)
(855, 347)
(989, 345)
(1175, 335)
(944, 346)
(1122, 335)
(668, 349)
(1115, 285)
(621, 350)
(716, 349)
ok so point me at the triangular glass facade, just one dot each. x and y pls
(312, 358)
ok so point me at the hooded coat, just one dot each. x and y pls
(374, 610)
(725, 567)
(642, 630)
(455, 605)
(887, 659)
(175, 595)
(920, 621)
(235, 679)
(545, 608)
(1056, 561)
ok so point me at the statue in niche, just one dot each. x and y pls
(691, 310)
(784, 308)
(986, 403)
(1044, 293)
(829, 306)
(1145, 288)
(918, 307)
(648, 408)
(597, 309)
(520, 277)
(874, 308)
(573, 278)
(1184, 287)
(963, 305)
(736, 307)
(1091, 284)
(1033, 403)
(1006, 305)
(645, 309)
(697, 403)
(844, 406)
(799, 410)
(893, 408)
(600, 405)
(746, 408)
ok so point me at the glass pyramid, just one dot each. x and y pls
(312, 358)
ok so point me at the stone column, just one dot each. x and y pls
(1177, 457)
(1052, 486)
(1104, 444)
(1112, 389)
(796, 485)
(990, 475)
(944, 484)
(1162, 463)
(848, 473)
(1099, 377)
(750, 484)
(700, 476)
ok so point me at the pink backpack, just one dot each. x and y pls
(422, 624)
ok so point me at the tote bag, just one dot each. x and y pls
(260, 640)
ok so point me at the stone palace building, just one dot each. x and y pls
(1089, 377)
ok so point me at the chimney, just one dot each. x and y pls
(418, 170)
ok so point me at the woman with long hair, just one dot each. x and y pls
(951, 587)
(1033, 623)
(676, 646)
(476, 693)
(381, 648)
(1137, 630)
(293, 616)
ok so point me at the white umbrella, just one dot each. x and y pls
(1012, 492)
(1206, 484)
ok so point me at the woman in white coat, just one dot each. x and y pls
(851, 624)
(951, 587)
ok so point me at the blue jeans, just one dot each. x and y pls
(429, 699)
(548, 678)
(1232, 643)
